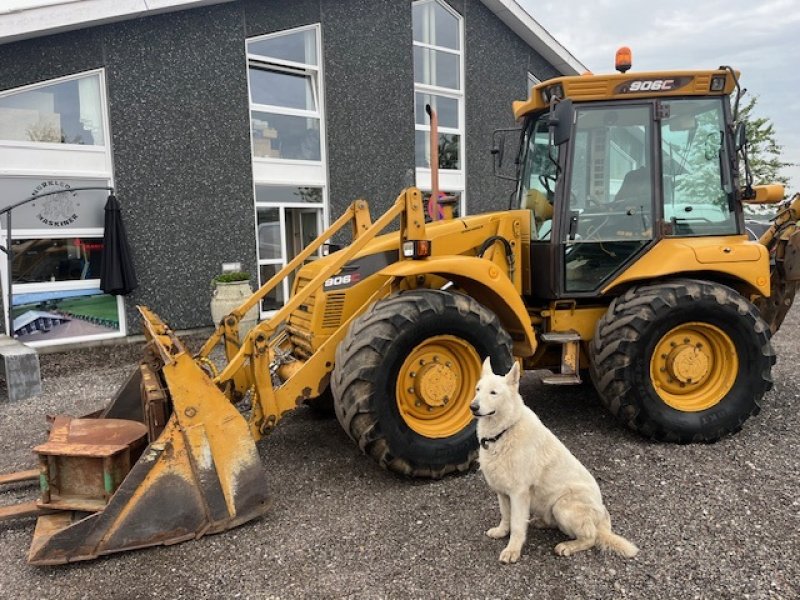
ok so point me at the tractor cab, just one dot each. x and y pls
(610, 165)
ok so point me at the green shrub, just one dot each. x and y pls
(230, 277)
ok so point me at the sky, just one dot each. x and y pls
(759, 38)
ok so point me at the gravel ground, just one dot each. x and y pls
(712, 521)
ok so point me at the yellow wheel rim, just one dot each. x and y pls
(436, 384)
(694, 366)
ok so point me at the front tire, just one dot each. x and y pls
(682, 361)
(405, 375)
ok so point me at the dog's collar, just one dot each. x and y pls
(484, 442)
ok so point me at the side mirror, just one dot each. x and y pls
(498, 152)
(560, 122)
(740, 136)
(498, 148)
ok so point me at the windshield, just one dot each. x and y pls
(695, 168)
(538, 178)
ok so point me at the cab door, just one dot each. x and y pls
(610, 195)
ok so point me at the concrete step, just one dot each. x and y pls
(20, 369)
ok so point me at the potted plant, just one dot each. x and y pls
(229, 291)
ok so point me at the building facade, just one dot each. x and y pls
(235, 132)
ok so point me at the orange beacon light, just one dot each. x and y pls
(624, 59)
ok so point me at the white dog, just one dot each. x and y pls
(534, 474)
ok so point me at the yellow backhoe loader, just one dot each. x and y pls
(624, 254)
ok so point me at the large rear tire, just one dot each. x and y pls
(405, 375)
(682, 361)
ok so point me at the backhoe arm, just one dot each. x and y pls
(783, 241)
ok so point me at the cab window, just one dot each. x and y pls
(695, 169)
(538, 180)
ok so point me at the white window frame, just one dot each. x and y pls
(281, 207)
(453, 180)
(62, 161)
(272, 171)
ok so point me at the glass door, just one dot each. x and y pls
(610, 198)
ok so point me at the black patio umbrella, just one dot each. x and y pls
(117, 275)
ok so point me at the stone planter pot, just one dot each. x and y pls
(228, 296)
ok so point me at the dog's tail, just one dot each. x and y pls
(608, 540)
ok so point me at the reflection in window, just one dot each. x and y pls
(68, 112)
(449, 198)
(435, 25)
(41, 260)
(275, 298)
(281, 88)
(446, 109)
(692, 138)
(285, 136)
(296, 46)
(283, 194)
(449, 150)
(269, 233)
(436, 68)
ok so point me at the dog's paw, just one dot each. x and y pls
(497, 532)
(563, 549)
(509, 555)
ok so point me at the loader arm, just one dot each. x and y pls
(254, 362)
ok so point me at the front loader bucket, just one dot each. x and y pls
(201, 474)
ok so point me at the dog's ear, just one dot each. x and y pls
(512, 377)
(487, 367)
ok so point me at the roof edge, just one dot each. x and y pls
(36, 18)
(520, 21)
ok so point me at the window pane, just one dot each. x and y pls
(539, 176)
(269, 234)
(63, 113)
(279, 88)
(610, 194)
(285, 136)
(300, 47)
(39, 260)
(301, 229)
(273, 300)
(611, 190)
(449, 150)
(64, 210)
(63, 314)
(446, 109)
(433, 67)
(288, 193)
(435, 25)
(695, 202)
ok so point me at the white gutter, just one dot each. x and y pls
(537, 37)
(22, 19)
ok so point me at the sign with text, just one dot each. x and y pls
(66, 209)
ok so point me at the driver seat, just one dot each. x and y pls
(635, 185)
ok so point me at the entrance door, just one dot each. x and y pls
(610, 201)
